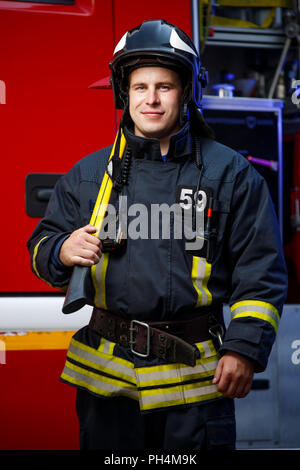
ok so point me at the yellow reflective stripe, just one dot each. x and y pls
(106, 346)
(257, 309)
(260, 303)
(254, 3)
(35, 251)
(194, 279)
(34, 266)
(178, 395)
(172, 373)
(225, 21)
(206, 348)
(205, 281)
(102, 280)
(169, 381)
(180, 389)
(166, 368)
(35, 255)
(98, 271)
(207, 351)
(94, 352)
(101, 385)
(101, 345)
(201, 271)
(177, 375)
(102, 362)
(105, 189)
(115, 372)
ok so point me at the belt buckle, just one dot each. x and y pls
(132, 329)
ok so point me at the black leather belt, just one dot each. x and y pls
(171, 341)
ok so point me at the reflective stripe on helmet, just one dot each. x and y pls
(178, 43)
(121, 44)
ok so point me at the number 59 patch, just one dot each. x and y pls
(188, 197)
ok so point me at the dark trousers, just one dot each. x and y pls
(117, 424)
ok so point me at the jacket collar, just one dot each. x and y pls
(149, 148)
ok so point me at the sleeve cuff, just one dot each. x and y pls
(54, 258)
(251, 338)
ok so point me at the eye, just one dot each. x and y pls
(139, 88)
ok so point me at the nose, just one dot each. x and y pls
(152, 96)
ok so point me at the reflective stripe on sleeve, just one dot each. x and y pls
(35, 255)
(257, 309)
(35, 252)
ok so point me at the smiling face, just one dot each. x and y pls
(154, 102)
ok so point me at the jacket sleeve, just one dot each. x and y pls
(258, 272)
(62, 217)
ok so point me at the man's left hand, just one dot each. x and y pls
(234, 375)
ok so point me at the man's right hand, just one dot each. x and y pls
(81, 248)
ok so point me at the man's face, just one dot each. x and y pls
(154, 101)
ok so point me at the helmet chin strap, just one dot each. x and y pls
(184, 105)
(125, 119)
(184, 114)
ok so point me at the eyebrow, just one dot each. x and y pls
(166, 82)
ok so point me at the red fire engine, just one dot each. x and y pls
(51, 51)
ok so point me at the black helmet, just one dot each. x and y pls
(159, 42)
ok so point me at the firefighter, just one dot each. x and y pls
(155, 368)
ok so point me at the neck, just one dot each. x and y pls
(164, 145)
